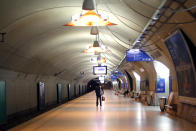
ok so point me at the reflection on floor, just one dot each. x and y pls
(117, 114)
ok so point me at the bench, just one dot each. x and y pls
(171, 107)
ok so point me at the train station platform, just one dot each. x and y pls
(118, 113)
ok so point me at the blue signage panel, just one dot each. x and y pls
(127, 85)
(116, 74)
(137, 55)
(113, 77)
(160, 85)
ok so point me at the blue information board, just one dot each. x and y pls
(137, 55)
(116, 74)
(113, 77)
(160, 85)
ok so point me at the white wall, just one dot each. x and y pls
(137, 82)
(162, 71)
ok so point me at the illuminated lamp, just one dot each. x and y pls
(94, 30)
(88, 5)
(90, 18)
(96, 48)
(101, 59)
(98, 60)
(96, 44)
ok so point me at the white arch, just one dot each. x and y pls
(161, 70)
(137, 82)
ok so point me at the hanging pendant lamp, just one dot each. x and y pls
(90, 18)
(96, 48)
(88, 5)
(94, 30)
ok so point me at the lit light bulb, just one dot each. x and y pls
(90, 18)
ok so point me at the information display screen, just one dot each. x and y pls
(100, 70)
(137, 55)
(101, 78)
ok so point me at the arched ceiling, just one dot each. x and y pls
(38, 43)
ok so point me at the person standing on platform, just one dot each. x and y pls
(99, 92)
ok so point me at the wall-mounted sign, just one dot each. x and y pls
(101, 78)
(116, 74)
(160, 85)
(100, 70)
(137, 55)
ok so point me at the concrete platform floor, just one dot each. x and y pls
(117, 114)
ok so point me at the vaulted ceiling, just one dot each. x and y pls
(38, 43)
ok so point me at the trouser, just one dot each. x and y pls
(100, 100)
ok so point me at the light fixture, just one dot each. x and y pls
(98, 60)
(90, 18)
(101, 59)
(141, 69)
(88, 5)
(94, 30)
(96, 48)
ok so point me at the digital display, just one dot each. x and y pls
(101, 78)
(102, 81)
(137, 55)
(100, 70)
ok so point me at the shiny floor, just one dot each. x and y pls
(116, 114)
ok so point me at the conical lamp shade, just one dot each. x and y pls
(90, 18)
(88, 5)
(96, 44)
(94, 30)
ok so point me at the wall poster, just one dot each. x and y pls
(160, 86)
(41, 95)
(3, 114)
(59, 93)
(178, 47)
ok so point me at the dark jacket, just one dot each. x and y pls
(97, 90)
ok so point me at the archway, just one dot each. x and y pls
(162, 81)
(137, 82)
(130, 80)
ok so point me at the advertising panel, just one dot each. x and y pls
(59, 93)
(3, 115)
(182, 59)
(41, 95)
(160, 87)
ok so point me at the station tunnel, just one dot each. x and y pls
(55, 53)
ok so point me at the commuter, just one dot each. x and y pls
(126, 93)
(99, 92)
